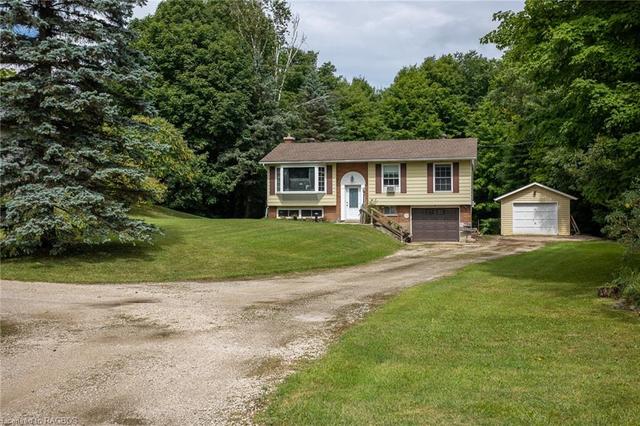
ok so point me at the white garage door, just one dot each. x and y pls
(535, 218)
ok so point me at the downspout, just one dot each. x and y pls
(266, 208)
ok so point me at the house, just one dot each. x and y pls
(535, 209)
(423, 185)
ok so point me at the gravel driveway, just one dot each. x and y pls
(190, 352)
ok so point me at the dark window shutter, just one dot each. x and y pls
(456, 177)
(378, 178)
(272, 180)
(329, 179)
(429, 177)
(403, 178)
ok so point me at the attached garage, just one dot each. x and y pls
(435, 224)
(535, 209)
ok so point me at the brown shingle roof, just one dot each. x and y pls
(420, 149)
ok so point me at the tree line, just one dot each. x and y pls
(102, 111)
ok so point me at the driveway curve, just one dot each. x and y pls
(191, 352)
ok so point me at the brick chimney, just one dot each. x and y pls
(288, 139)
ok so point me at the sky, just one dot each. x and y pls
(375, 39)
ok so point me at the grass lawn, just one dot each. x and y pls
(195, 248)
(520, 340)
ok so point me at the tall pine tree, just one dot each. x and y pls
(316, 111)
(68, 175)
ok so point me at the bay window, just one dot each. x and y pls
(300, 179)
(442, 177)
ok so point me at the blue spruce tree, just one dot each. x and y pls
(68, 175)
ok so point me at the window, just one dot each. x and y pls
(303, 213)
(298, 179)
(442, 177)
(320, 179)
(390, 175)
(390, 211)
(301, 179)
(287, 213)
(310, 213)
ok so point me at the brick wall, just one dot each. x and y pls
(330, 214)
(400, 219)
(465, 215)
(341, 170)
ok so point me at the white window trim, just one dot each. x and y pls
(317, 175)
(280, 188)
(299, 212)
(399, 175)
(434, 176)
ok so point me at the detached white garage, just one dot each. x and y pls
(535, 209)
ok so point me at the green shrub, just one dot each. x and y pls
(490, 226)
(628, 283)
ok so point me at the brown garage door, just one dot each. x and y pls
(435, 225)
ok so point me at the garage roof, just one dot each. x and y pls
(571, 197)
(414, 149)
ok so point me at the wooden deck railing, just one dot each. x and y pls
(378, 219)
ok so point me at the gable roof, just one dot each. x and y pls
(414, 149)
(571, 197)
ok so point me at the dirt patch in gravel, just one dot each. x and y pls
(122, 302)
(9, 328)
(191, 352)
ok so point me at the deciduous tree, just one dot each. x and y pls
(582, 122)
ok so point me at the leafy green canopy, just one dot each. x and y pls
(67, 175)
(174, 168)
(231, 79)
(435, 99)
(219, 80)
(358, 111)
(571, 82)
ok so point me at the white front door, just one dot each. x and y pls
(352, 202)
(535, 218)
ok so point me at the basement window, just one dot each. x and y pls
(390, 211)
(301, 213)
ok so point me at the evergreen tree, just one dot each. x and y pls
(68, 175)
(316, 108)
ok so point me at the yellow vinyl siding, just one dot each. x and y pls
(417, 194)
(303, 200)
(542, 196)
